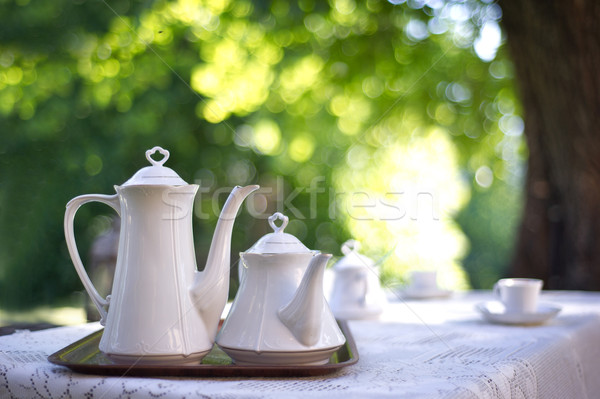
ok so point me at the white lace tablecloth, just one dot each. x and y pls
(418, 349)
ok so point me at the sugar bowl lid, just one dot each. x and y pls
(157, 174)
(353, 259)
(278, 242)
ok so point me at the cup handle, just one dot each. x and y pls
(497, 290)
(72, 207)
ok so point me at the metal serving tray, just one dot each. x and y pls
(84, 356)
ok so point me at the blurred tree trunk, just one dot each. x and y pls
(555, 46)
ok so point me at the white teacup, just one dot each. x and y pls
(423, 280)
(519, 295)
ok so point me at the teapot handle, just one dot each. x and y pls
(72, 207)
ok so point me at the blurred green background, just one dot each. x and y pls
(392, 122)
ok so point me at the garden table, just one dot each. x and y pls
(429, 348)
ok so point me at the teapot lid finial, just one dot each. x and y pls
(157, 174)
(278, 242)
(284, 222)
(154, 162)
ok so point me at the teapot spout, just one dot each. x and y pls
(303, 316)
(210, 288)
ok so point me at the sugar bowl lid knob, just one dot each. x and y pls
(349, 246)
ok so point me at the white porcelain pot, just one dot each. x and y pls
(161, 309)
(356, 293)
(280, 315)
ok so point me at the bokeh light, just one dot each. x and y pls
(392, 122)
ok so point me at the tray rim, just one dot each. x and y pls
(206, 370)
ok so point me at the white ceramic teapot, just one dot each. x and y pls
(161, 308)
(280, 315)
(357, 293)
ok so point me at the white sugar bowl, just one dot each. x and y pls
(357, 292)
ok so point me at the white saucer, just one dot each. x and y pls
(494, 311)
(412, 293)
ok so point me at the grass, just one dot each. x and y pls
(62, 316)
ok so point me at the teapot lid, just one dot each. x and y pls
(157, 174)
(278, 242)
(352, 259)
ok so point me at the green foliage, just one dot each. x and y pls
(278, 93)
(490, 220)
